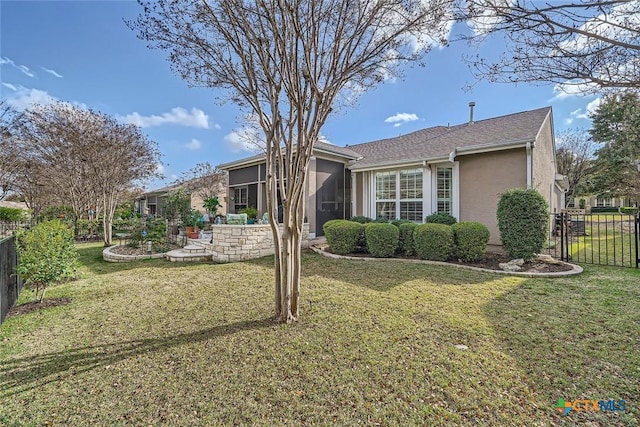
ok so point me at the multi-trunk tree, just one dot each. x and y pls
(574, 159)
(290, 64)
(83, 158)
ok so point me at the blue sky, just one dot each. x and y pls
(82, 52)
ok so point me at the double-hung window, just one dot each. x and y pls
(444, 190)
(399, 194)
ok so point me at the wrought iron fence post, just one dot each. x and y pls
(562, 230)
(637, 236)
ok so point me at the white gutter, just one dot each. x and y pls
(529, 166)
(452, 156)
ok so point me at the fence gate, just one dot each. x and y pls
(597, 238)
(10, 284)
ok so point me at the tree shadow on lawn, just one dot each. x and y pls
(22, 374)
(574, 338)
(381, 275)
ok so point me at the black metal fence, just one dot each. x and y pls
(10, 283)
(598, 238)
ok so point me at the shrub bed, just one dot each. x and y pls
(343, 236)
(470, 239)
(382, 239)
(433, 242)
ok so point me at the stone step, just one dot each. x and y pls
(180, 255)
(194, 249)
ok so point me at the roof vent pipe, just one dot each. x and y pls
(471, 105)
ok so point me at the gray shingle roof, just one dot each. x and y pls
(437, 142)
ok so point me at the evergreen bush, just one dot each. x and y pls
(361, 219)
(433, 241)
(343, 236)
(47, 254)
(441, 218)
(382, 239)
(470, 239)
(523, 218)
(405, 241)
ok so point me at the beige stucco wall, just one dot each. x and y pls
(483, 177)
(544, 166)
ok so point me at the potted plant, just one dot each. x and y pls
(211, 204)
(252, 214)
(192, 222)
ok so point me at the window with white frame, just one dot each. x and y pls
(444, 190)
(240, 198)
(399, 194)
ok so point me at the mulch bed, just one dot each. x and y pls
(30, 307)
(128, 250)
(491, 261)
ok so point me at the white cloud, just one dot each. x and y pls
(160, 168)
(485, 20)
(23, 98)
(9, 86)
(584, 113)
(52, 72)
(244, 139)
(179, 116)
(401, 118)
(193, 145)
(23, 68)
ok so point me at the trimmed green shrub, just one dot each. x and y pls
(399, 222)
(381, 220)
(470, 239)
(628, 210)
(433, 241)
(523, 217)
(361, 219)
(47, 254)
(604, 209)
(405, 241)
(382, 239)
(343, 236)
(441, 218)
(12, 214)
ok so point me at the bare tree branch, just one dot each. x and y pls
(581, 45)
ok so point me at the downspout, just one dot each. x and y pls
(452, 155)
(529, 166)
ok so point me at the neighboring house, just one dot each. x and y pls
(461, 170)
(600, 202)
(152, 202)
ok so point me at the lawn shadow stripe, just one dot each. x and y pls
(23, 374)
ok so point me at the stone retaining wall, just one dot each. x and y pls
(232, 243)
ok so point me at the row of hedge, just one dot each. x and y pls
(431, 241)
(438, 218)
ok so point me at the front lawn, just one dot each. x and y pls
(154, 343)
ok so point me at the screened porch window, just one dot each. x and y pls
(240, 196)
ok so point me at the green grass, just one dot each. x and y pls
(154, 343)
(607, 243)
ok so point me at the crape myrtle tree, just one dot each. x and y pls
(9, 122)
(582, 45)
(85, 158)
(289, 64)
(204, 180)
